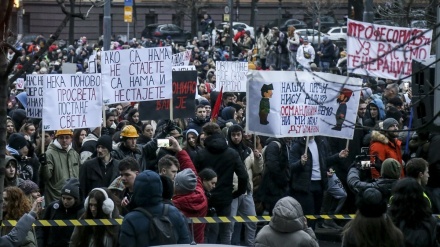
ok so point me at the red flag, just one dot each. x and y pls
(218, 103)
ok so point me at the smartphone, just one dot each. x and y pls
(163, 143)
(43, 203)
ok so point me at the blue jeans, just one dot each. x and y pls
(325, 66)
(243, 206)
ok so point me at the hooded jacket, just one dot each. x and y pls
(287, 227)
(370, 122)
(147, 193)
(224, 160)
(61, 165)
(194, 204)
(253, 165)
(383, 148)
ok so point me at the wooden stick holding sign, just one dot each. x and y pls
(171, 109)
(307, 145)
(42, 141)
(346, 145)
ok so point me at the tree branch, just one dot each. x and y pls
(17, 54)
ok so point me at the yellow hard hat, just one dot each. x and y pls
(129, 131)
(64, 132)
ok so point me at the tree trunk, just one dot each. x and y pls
(5, 13)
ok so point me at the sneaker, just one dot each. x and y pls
(330, 224)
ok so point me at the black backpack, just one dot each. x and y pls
(161, 228)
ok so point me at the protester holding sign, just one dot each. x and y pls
(309, 171)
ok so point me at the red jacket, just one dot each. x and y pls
(194, 204)
(381, 146)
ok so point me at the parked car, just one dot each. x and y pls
(311, 34)
(293, 22)
(162, 31)
(236, 26)
(327, 22)
(337, 33)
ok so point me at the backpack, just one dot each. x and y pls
(263, 152)
(161, 228)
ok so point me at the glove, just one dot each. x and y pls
(42, 159)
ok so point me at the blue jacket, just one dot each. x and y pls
(147, 193)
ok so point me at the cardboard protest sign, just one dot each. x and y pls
(72, 101)
(136, 75)
(184, 68)
(184, 91)
(19, 84)
(182, 58)
(385, 51)
(34, 92)
(294, 104)
(232, 76)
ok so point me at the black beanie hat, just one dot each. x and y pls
(371, 203)
(17, 141)
(105, 141)
(71, 188)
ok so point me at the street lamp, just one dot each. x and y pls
(279, 12)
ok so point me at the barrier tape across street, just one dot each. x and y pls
(196, 220)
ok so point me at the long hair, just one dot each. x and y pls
(291, 31)
(371, 232)
(17, 204)
(97, 233)
(408, 203)
(76, 143)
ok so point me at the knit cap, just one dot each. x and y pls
(389, 122)
(17, 141)
(390, 169)
(71, 188)
(371, 203)
(185, 182)
(27, 186)
(105, 141)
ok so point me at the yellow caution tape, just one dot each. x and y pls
(196, 220)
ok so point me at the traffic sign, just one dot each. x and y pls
(128, 14)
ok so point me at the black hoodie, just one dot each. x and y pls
(224, 160)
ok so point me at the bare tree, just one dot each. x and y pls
(315, 9)
(190, 9)
(7, 40)
(403, 12)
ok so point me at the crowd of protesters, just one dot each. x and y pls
(216, 168)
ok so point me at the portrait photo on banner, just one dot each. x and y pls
(294, 104)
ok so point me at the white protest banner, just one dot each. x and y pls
(184, 68)
(92, 63)
(19, 84)
(69, 68)
(385, 51)
(182, 58)
(136, 75)
(34, 99)
(294, 104)
(232, 76)
(72, 101)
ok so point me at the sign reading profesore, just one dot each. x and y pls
(136, 75)
(385, 51)
(232, 76)
(286, 104)
(184, 92)
(72, 101)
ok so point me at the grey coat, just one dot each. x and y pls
(19, 233)
(287, 227)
